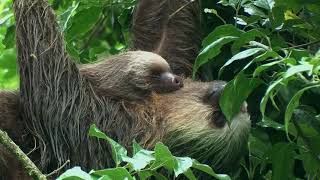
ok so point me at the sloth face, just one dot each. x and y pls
(196, 126)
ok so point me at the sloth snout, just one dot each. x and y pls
(215, 92)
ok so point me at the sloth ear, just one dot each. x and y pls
(170, 28)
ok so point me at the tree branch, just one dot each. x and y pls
(27, 164)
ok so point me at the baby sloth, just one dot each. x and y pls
(140, 71)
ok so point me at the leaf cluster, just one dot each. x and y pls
(269, 53)
(142, 165)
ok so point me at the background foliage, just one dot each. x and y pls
(268, 50)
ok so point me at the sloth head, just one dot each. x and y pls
(196, 127)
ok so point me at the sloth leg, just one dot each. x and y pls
(169, 28)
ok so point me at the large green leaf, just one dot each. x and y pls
(241, 55)
(183, 165)
(282, 161)
(66, 16)
(246, 38)
(266, 66)
(163, 157)
(82, 22)
(207, 169)
(289, 73)
(75, 174)
(211, 51)
(113, 173)
(140, 160)
(235, 93)
(297, 69)
(118, 151)
(220, 32)
(294, 103)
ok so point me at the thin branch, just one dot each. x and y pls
(303, 45)
(59, 169)
(182, 7)
(26, 163)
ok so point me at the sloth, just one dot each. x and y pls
(137, 94)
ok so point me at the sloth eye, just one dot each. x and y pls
(218, 119)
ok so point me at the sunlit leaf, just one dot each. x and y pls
(114, 173)
(207, 169)
(140, 160)
(75, 174)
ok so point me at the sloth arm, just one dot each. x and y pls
(170, 28)
(50, 81)
(54, 98)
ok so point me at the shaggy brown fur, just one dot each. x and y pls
(58, 101)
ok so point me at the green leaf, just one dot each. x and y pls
(143, 175)
(282, 161)
(254, 10)
(164, 158)
(189, 174)
(297, 69)
(266, 4)
(82, 22)
(294, 103)
(207, 169)
(310, 163)
(211, 51)
(263, 67)
(140, 160)
(118, 151)
(267, 122)
(75, 174)
(290, 72)
(245, 38)
(183, 165)
(262, 57)
(265, 98)
(66, 16)
(232, 3)
(220, 32)
(136, 147)
(240, 87)
(241, 55)
(114, 173)
(9, 40)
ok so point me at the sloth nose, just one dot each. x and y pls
(173, 81)
(178, 81)
(215, 93)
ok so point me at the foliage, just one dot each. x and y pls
(271, 48)
(143, 164)
(268, 51)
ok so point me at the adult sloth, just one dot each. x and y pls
(122, 95)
